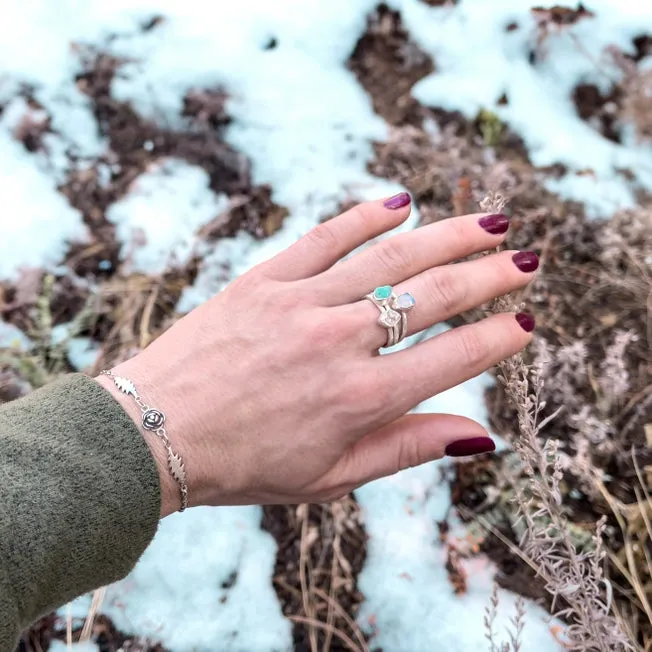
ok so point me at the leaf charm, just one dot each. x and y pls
(125, 385)
(176, 467)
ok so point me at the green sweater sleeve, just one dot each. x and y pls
(80, 499)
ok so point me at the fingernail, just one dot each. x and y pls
(473, 446)
(526, 261)
(398, 201)
(494, 224)
(525, 321)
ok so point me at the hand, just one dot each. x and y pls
(273, 389)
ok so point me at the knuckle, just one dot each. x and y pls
(458, 232)
(473, 349)
(365, 217)
(324, 237)
(409, 454)
(446, 289)
(250, 281)
(360, 394)
(395, 258)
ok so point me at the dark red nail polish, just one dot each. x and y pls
(525, 321)
(494, 224)
(526, 261)
(473, 446)
(398, 201)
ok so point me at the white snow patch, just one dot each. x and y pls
(312, 140)
(37, 222)
(175, 593)
(60, 646)
(158, 219)
(83, 353)
(11, 336)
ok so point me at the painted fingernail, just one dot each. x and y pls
(398, 201)
(473, 446)
(525, 321)
(526, 261)
(494, 224)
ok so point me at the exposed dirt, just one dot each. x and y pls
(387, 64)
(599, 110)
(321, 550)
(472, 487)
(104, 634)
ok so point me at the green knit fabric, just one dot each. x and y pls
(80, 499)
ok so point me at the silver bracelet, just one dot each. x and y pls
(153, 421)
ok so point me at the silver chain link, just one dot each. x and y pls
(152, 421)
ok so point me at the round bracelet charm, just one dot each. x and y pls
(153, 419)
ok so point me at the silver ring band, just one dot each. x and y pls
(393, 312)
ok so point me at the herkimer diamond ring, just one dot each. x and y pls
(393, 312)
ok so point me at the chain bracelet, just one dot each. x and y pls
(153, 420)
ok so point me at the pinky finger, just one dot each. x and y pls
(409, 441)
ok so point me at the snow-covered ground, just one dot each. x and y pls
(306, 124)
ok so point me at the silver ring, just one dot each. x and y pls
(393, 312)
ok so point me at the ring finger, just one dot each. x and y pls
(442, 292)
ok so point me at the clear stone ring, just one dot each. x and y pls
(393, 312)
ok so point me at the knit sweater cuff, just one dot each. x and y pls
(80, 497)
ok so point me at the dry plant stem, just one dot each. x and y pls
(96, 603)
(345, 617)
(331, 613)
(576, 577)
(631, 573)
(518, 622)
(305, 589)
(335, 632)
(68, 628)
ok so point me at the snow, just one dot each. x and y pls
(59, 646)
(37, 221)
(180, 578)
(82, 352)
(540, 108)
(158, 219)
(13, 337)
(307, 126)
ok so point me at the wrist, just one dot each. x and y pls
(169, 488)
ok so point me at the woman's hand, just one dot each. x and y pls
(273, 389)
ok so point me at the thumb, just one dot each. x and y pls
(410, 441)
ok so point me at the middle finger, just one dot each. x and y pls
(443, 292)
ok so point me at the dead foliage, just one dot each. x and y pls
(104, 634)
(561, 15)
(321, 550)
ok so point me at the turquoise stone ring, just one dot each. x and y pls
(383, 293)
